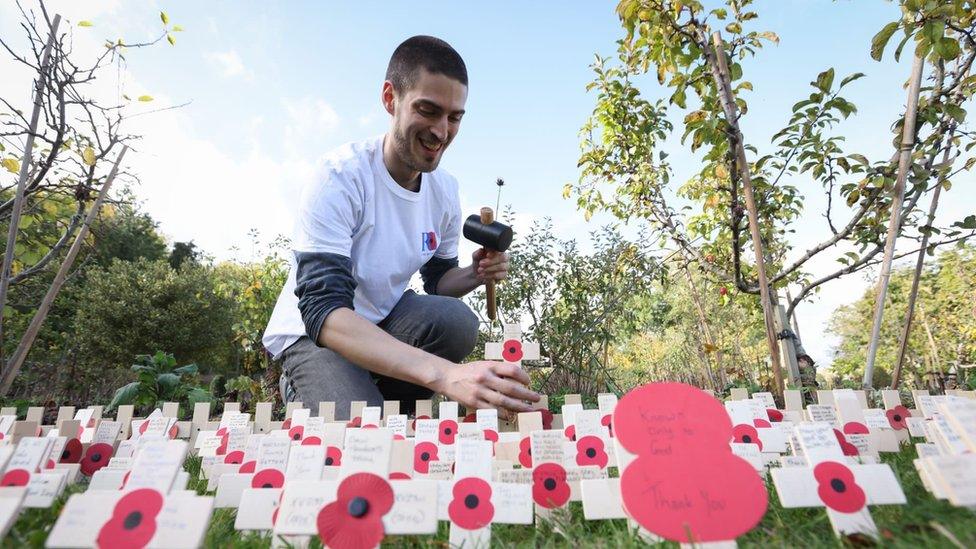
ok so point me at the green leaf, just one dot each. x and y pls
(170, 39)
(881, 39)
(198, 394)
(968, 223)
(164, 18)
(825, 80)
(186, 370)
(947, 48)
(734, 28)
(956, 112)
(126, 394)
(11, 163)
(145, 98)
(167, 383)
(177, 28)
(847, 80)
(85, 24)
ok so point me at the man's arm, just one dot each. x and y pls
(482, 384)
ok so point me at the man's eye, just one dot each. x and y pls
(455, 119)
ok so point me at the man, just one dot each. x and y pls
(379, 211)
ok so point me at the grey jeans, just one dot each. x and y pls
(443, 326)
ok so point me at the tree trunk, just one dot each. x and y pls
(894, 222)
(720, 74)
(22, 177)
(20, 354)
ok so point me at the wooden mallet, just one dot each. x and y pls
(492, 235)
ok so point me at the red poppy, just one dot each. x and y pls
(50, 464)
(370, 426)
(525, 452)
(125, 480)
(848, 448)
(855, 428)
(355, 422)
(470, 418)
(471, 507)
(399, 475)
(311, 441)
(512, 350)
(248, 466)
(761, 423)
(413, 424)
(333, 456)
(398, 436)
(549, 487)
(837, 488)
(133, 521)
(268, 478)
(490, 434)
(285, 425)
(143, 427)
(774, 415)
(590, 451)
(296, 432)
(898, 417)
(15, 477)
(223, 430)
(355, 519)
(447, 430)
(224, 440)
(746, 434)
(173, 431)
(423, 454)
(72, 451)
(96, 457)
(235, 457)
(607, 421)
(570, 432)
(547, 418)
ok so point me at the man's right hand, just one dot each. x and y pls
(488, 384)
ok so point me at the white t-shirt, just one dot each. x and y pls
(354, 208)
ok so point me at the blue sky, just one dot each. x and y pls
(273, 85)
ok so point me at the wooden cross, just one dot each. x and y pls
(829, 481)
(512, 348)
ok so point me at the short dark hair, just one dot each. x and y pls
(432, 54)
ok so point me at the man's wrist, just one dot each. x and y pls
(433, 372)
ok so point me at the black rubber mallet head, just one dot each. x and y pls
(492, 235)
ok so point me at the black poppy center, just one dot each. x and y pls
(471, 501)
(329, 460)
(838, 485)
(591, 453)
(549, 484)
(132, 520)
(512, 350)
(897, 417)
(425, 456)
(747, 439)
(447, 430)
(358, 507)
(297, 436)
(65, 454)
(96, 457)
(267, 485)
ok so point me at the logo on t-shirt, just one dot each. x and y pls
(428, 241)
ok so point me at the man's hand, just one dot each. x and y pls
(488, 384)
(489, 265)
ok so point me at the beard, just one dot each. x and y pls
(403, 147)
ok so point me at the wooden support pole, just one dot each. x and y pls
(20, 354)
(721, 76)
(25, 163)
(894, 221)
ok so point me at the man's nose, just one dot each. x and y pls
(440, 129)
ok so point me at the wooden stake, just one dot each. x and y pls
(20, 354)
(894, 221)
(720, 73)
(18, 205)
(487, 218)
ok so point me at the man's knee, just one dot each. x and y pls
(456, 328)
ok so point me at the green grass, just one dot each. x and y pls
(923, 522)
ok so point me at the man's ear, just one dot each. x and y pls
(388, 97)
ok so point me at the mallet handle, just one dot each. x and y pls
(487, 218)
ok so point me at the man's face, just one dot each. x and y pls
(425, 119)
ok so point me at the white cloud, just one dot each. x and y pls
(310, 121)
(229, 63)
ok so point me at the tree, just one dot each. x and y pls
(625, 172)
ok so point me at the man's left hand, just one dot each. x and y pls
(490, 265)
